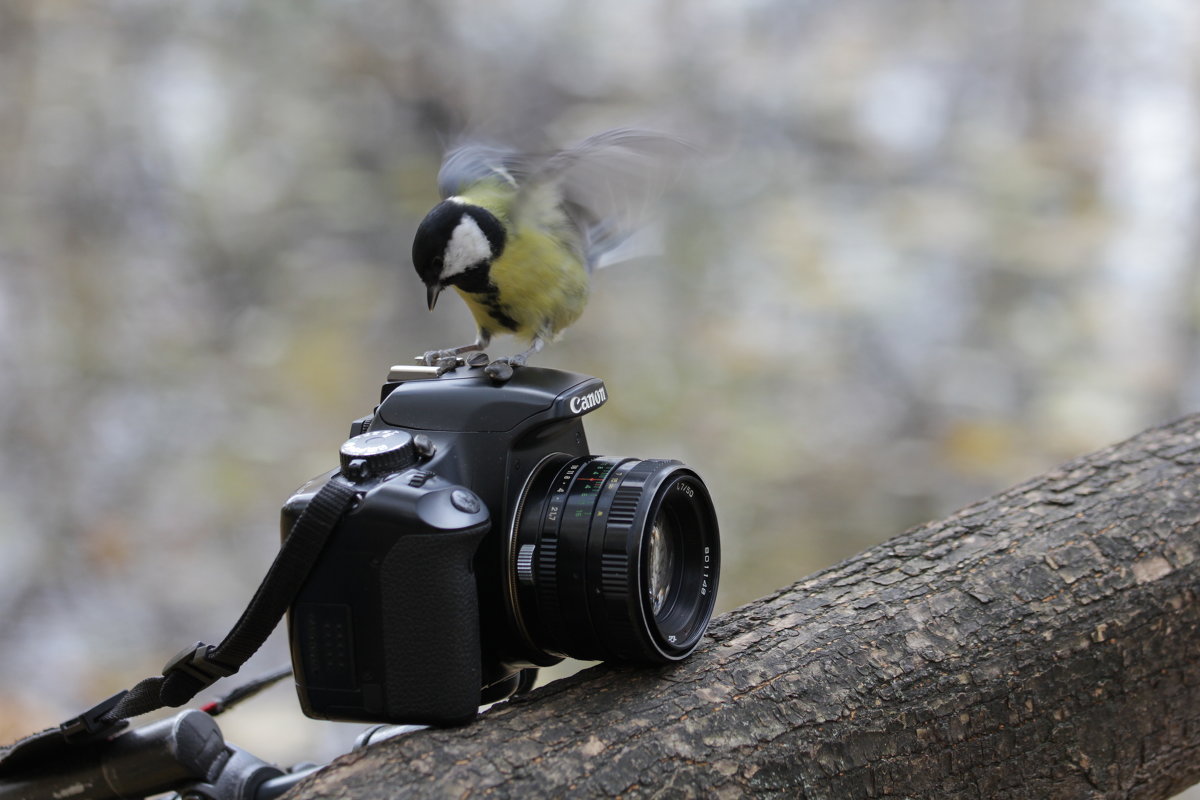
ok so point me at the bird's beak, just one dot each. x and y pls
(431, 294)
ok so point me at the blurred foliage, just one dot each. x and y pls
(935, 247)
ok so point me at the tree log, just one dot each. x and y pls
(1042, 643)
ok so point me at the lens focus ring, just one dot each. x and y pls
(621, 607)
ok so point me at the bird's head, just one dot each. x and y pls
(455, 246)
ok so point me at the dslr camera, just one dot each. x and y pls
(487, 541)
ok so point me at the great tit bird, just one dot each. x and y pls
(518, 235)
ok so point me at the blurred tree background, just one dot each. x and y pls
(935, 247)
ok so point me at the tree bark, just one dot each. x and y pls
(1043, 643)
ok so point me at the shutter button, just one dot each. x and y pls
(464, 501)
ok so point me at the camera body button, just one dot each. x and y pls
(465, 502)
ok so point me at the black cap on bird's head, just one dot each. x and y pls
(455, 245)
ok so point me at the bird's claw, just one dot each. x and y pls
(442, 360)
(433, 358)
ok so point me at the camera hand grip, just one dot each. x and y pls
(430, 614)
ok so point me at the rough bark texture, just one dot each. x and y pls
(1042, 643)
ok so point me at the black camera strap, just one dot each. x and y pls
(199, 666)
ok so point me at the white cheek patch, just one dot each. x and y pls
(468, 246)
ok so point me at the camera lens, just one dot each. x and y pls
(612, 558)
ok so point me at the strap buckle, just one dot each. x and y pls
(196, 662)
(91, 724)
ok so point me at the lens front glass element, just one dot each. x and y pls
(612, 558)
(660, 555)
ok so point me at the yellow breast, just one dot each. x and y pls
(541, 288)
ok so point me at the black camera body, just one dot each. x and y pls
(488, 541)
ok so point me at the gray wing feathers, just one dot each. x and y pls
(612, 183)
(608, 185)
(471, 163)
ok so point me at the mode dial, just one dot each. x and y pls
(377, 453)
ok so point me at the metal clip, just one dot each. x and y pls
(195, 662)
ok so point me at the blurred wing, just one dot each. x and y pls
(609, 184)
(469, 164)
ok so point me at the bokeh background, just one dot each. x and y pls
(934, 247)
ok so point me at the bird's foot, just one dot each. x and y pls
(434, 358)
(449, 356)
(444, 361)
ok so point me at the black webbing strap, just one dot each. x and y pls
(201, 665)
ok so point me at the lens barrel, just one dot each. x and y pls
(612, 558)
